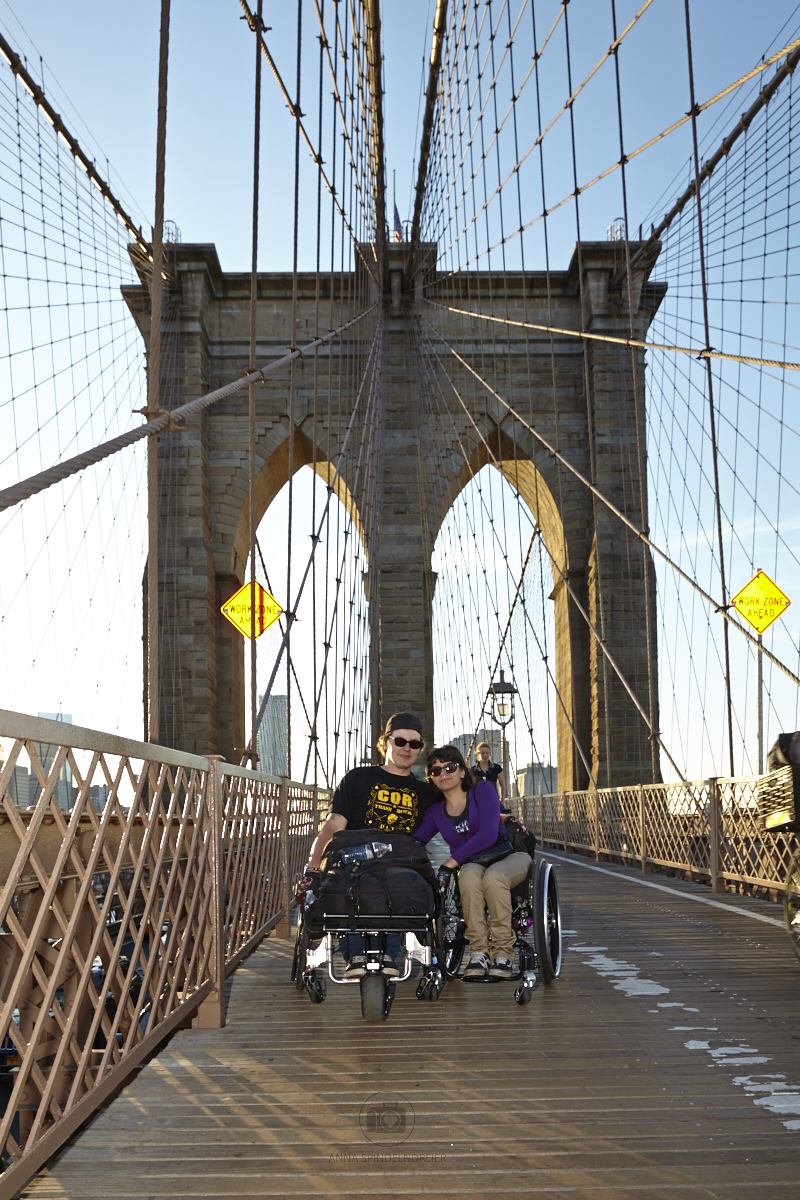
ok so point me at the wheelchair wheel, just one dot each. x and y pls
(546, 921)
(450, 929)
(300, 956)
(316, 991)
(430, 986)
(791, 903)
(373, 997)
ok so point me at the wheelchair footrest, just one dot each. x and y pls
(489, 978)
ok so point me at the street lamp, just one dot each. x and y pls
(502, 694)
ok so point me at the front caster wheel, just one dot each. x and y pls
(522, 995)
(374, 1005)
(316, 991)
(429, 988)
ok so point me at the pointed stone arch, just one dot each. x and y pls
(536, 485)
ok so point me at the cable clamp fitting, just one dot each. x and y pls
(151, 414)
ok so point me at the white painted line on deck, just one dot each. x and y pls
(576, 861)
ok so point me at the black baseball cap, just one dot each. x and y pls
(403, 720)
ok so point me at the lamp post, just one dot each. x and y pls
(502, 713)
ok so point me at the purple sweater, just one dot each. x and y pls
(484, 819)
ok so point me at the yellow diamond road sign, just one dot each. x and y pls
(760, 602)
(237, 610)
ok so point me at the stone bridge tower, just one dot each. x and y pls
(203, 487)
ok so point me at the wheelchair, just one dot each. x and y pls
(536, 917)
(312, 963)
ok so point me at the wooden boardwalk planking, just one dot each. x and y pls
(648, 1070)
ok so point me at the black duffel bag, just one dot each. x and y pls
(398, 884)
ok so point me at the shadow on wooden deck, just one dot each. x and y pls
(664, 1063)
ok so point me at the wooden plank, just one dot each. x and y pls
(654, 1067)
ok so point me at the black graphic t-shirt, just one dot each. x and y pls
(461, 824)
(371, 796)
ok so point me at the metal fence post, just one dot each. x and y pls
(596, 826)
(211, 1013)
(282, 928)
(642, 830)
(565, 802)
(715, 835)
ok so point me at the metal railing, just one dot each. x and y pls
(710, 830)
(134, 879)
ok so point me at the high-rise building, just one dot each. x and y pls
(272, 737)
(538, 779)
(47, 755)
(498, 746)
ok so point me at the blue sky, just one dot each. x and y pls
(100, 70)
(103, 58)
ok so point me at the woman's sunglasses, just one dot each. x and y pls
(416, 744)
(448, 768)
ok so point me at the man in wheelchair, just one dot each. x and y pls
(369, 803)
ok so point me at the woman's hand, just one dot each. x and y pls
(451, 863)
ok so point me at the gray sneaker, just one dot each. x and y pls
(501, 968)
(477, 966)
(356, 967)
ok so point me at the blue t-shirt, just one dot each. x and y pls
(477, 828)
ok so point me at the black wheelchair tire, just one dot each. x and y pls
(300, 956)
(373, 997)
(791, 903)
(316, 991)
(547, 922)
(450, 928)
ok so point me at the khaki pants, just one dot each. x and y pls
(490, 887)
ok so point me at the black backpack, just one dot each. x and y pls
(399, 884)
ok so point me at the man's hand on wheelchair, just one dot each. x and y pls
(443, 877)
(306, 883)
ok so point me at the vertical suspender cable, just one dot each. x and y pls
(701, 250)
(590, 413)
(293, 337)
(640, 446)
(252, 396)
(153, 377)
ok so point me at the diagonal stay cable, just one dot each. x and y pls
(163, 424)
(600, 641)
(790, 50)
(613, 508)
(564, 108)
(536, 530)
(633, 343)
(522, 574)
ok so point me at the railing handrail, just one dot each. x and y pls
(24, 727)
(714, 830)
(132, 884)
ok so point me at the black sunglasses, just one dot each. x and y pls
(400, 742)
(448, 768)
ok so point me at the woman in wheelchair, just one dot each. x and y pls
(468, 818)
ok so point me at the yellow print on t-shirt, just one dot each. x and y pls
(392, 808)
